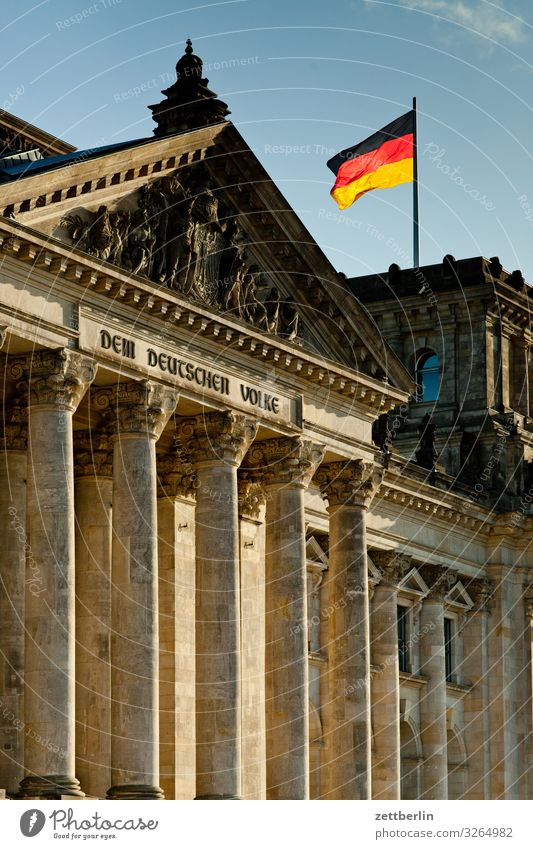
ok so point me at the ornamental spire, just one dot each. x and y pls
(189, 103)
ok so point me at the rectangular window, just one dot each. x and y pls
(448, 648)
(403, 637)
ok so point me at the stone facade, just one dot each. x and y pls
(228, 572)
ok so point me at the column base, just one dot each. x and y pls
(135, 791)
(215, 796)
(49, 787)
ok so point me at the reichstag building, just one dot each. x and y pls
(265, 529)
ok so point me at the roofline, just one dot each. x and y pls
(41, 138)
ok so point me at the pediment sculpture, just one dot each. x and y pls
(178, 232)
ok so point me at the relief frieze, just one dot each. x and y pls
(179, 233)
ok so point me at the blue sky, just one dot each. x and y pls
(304, 79)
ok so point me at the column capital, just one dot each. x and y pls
(439, 579)
(480, 591)
(135, 407)
(252, 497)
(349, 483)
(56, 378)
(176, 477)
(393, 565)
(14, 434)
(287, 461)
(217, 438)
(92, 454)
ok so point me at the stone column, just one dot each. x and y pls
(252, 499)
(349, 487)
(13, 470)
(93, 493)
(216, 443)
(386, 767)
(475, 672)
(177, 663)
(57, 380)
(136, 415)
(285, 467)
(433, 724)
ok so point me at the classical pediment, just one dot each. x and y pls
(459, 597)
(414, 584)
(187, 213)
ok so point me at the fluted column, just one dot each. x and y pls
(285, 467)
(433, 725)
(349, 487)
(216, 443)
(177, 662)
(136, 414)
(386, 765)
(93, 494)
(13, 469)
(57, 380)
(252, 499)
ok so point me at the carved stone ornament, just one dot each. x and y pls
(57, 378)
(177, 479)
(285, 461)
(189, 103)
(220, 438)
(392, 565)
(178, 232)
(252, 497)
(14, 432)
(133, 407)
(350, 483)
(93, 456)
(439, 579)
(480, 591)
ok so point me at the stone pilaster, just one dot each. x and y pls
(177, 668)
(285, 467)
(527, 706)
(136, 414)
(252, 499)
(433, 722)
(13, 470)
(56, 382)
(349, 488)
(386, 766)
(216, 444)
(475, 671)
(93, 494)
(503, 642)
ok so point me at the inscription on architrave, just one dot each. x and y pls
(212, 381)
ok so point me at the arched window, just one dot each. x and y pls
(427, 376)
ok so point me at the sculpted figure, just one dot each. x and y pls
(206, 238)
(140, 244)
(272, 311)
(289, 319)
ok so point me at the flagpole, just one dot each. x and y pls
(416, 248)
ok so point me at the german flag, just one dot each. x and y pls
(383, 160)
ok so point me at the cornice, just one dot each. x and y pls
(94, 276)
(400, 489)
(88, 177)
